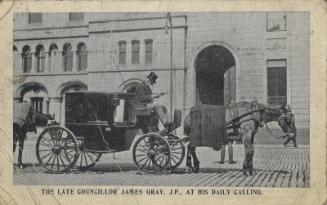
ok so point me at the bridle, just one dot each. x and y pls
(281, 125)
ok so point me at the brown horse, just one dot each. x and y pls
(244, 119)
(27, 121)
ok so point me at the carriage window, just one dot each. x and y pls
(119, 112)
(135, 52)
(277, 82)
(122, 52)
(37, 104)
(148, 51)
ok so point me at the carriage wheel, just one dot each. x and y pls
(86, 159)
(177, 150)
(151, 153)
(57, 149)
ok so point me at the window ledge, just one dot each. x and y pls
(51, 74)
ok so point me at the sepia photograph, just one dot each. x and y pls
(184, 99)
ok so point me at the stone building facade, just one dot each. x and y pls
(201, 58)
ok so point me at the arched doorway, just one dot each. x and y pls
(35, 94)
(215, 76)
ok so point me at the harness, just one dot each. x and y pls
(233, 126)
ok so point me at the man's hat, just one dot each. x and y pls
(152, 77)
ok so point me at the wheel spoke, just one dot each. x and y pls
(46, 155)
(143, 159)
(45, 150)
(49, 159)
(146, 162)
(46, 145)
(54, 160)
(62, 161)
(90, 155)
(173, 159)
(81, 161)
(58, 162)
(67, 158)
(144, 151)
(87, 163)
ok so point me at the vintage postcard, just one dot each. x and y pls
(145, 102)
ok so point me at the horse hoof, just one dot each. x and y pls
(20, 166)
(245, 173)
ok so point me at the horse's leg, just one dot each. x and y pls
(189, 159)
(15, 139)
(195, 160)
(294, 141)
(21, 147)
(247, 135)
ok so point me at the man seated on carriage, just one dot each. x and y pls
(144, 101)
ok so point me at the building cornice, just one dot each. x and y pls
(136, 19)
(134, 29)
(50, 38)
(51, 28)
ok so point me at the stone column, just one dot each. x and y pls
(33, 67)
(57, 61)
(54, 107)
(75, 64)
(17, 62)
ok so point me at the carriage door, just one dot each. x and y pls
(215, 76)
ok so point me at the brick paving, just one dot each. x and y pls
(275, 166)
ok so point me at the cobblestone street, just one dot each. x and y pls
(275, 166)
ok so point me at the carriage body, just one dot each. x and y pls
(105, 122)
(97, 123)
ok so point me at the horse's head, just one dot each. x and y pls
(52, 120)
(286, 121)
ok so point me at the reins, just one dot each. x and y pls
(269, 131)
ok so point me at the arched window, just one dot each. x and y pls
(67, 57)
(40, 58)
(15, 59)
(27, 59)
(81, 57)
(53, 58)
(53, 48)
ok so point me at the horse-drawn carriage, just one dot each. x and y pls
(97, 123)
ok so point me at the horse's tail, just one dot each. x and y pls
(187, 125)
